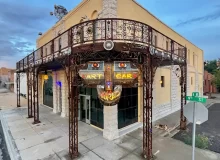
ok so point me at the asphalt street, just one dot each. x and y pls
(210, 129)
(3, 148)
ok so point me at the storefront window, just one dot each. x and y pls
(128, 107)
(48, 92)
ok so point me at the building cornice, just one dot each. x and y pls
(166, 25)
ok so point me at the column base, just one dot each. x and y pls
(36, 122)
(63, 114)
(111, 131)
(74, 154)
(55, 111)
(110, 134)
(183, 124)
(152, 157)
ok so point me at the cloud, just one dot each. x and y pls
(20, 25)
(208, 17)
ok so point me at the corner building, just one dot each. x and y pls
(127, 114)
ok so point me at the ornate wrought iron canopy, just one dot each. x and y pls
(105, 40)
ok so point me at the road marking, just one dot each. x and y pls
(157, 152)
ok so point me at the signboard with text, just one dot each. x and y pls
(109, 78)
(195, 98)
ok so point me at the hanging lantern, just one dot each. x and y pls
(45, 77)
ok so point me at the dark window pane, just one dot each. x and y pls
(128, 107)
(48, 92)
(93, 114)
(96, 109)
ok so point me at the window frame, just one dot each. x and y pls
(162, 78)
(155, 40)
(60, 43)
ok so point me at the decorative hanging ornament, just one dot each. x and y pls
(45, 77)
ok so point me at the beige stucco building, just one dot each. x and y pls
(166, 85)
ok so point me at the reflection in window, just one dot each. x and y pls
(167, 45)
(155, 40)
(60, 44)
(188, 56)
(51, 49)
(162, 81)
(128, 107)
(179, 52)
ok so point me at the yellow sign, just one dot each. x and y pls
(109, 96)
(121, 75)
(92, 76)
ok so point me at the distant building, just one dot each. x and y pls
(208, 86)
(7, 78)
(23, 84)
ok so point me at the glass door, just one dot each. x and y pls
(84, 111)
(88, 110)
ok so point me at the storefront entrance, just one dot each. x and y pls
(90, 109)
(48, 92)
(84, 108)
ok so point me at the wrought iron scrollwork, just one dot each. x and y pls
(133, 41)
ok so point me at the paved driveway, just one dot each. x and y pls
(210, 129)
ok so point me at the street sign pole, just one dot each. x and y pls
(196, 113)
(194, 131)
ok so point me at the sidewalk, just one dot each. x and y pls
(49, 140)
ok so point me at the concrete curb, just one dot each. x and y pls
(209, 105)
(11, 146)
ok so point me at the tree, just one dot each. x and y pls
(216, 80)
(211, 66)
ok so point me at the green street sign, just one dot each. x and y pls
(190, 98)
(201, 99)
(196, 99)
(195, 94)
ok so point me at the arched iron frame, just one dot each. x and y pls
(85, 41)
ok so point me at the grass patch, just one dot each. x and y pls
(200, 141)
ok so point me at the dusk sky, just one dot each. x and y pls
(22, 20)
